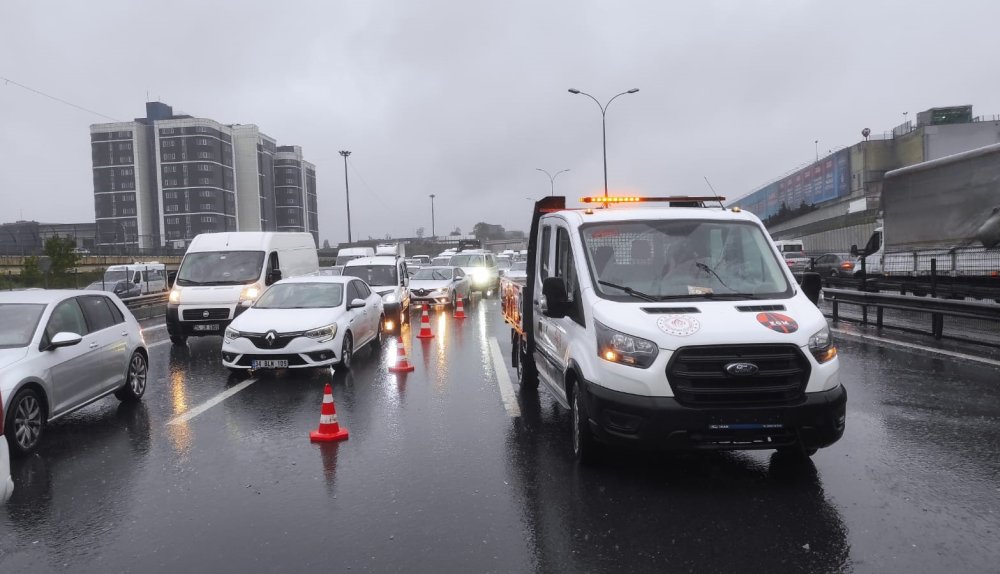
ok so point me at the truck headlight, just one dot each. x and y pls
(231, 334)
(480, 275)
(323, 334)
(389, 297)
(175, 297)
(617, 347)
(821, 345)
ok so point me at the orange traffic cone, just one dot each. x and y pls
(425, 326)
(329, 429)
(459, 308)
(403, 365)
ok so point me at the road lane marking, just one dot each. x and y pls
(154, 328)
(503, 380)
(211, 402)
(918, 348)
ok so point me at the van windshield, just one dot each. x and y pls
(221, 268)
(665, 259)
(345, 259)
(117, 275)
(791, 248)
(468, 261)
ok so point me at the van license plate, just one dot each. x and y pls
(270, 364)
(211, 327)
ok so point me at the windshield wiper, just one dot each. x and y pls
(710, 296)
(631, 291)
(708, 269)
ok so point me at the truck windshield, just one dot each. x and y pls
(374, 275)
(221, 268)
(468, 261)
(678, 259)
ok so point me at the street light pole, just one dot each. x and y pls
(604, 128)
(552, 178)
(347, 189)
(433, 232)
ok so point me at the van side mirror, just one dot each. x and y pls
(556, 299)
(854, 250)
(273, 276)
(811, 285)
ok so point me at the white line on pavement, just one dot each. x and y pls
(503, 380)
(917, 348)
(211, 402)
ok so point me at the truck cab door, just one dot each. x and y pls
(547, 330)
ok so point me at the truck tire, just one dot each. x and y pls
(527, 374)
(586, 449)
(178, 340)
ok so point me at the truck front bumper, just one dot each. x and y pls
(176, 327)
(662, 423)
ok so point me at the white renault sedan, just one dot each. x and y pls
(60, 351)
(439, 285)
(6, 484)
(305, 322)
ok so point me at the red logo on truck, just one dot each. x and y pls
(778, 322)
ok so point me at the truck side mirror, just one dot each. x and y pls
(854, 250)
(273, 276)
(556, 298)
(811, 285)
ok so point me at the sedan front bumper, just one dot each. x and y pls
(301, 353)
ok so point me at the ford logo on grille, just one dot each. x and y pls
(742, 369)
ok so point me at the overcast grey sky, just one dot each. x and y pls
(465, 99)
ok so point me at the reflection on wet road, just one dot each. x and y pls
(437, 476)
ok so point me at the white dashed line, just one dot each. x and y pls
(211, 402)
(503, 380)
(917, 348)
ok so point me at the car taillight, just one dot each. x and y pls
(788, 262)
(847, 265)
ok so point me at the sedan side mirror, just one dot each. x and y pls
(356, 304)
(64, 339)
(811, 285)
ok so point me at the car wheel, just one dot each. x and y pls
(347, 352)
(25, 420)
(377, 341)
(585, 447)
(135, 379)
(178, 340)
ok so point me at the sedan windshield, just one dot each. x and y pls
(433, 274)
(302, 296)
(468, 261)
(19, 322)
(374, 275)
(221, 268)
(440, 260)
(666, 259)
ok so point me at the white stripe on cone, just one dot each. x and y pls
(328, 419)
(327, 398)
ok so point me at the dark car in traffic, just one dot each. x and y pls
(834, 265)
(123, 288)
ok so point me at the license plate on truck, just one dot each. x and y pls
(209, 327)
(270, 364)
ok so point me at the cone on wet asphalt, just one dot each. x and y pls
(403, 365)
(459, 307)
(329, 429)
(425, 326)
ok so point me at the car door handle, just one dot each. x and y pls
(94, 345)
(124, 333)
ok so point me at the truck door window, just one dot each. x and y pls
(272, 262)
(543, 253)
(566, 270)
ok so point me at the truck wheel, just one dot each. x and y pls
(585, 447)
(527, 375)
(178, 340)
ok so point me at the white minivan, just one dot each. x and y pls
(223, 273)
(150, 277)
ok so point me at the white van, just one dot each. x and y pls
(150, 277)
(351, 253)
(223, 273)
(387, 276)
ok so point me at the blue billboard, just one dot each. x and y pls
(822, 181)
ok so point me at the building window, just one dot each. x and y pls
(201, 130)
(207, 207)
(125, 146)
(169, 156)
(122, 135)
(170, 195)
(206, 193)
(204, 180)
(172, 220)
(166, 131)
(172, 208)
(201, 141)
(207, 219)
(290, 181)
(166, 143)
(126, 171)
(125, 159)
(170, 169)
(169, 182)
(204, 155)
(204, 167)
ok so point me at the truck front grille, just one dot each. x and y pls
(698, 375)
(205, 314)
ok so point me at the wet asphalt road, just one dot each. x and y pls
(438, 477)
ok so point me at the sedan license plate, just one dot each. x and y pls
(270, 364)
(207, 327)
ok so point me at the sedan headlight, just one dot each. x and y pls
(232, 334)
(175, 297)
(617, 347)
(323, 334)
(821, 345)
(389, 297)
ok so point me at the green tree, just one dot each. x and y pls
(30, 273)
(484, 230)
(60, 251)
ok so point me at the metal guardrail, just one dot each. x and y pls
(937, 308)
(147, 306)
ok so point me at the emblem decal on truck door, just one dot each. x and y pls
(679, 325)
(778, 322)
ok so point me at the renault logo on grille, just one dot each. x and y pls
(270, 337)
(742, 369)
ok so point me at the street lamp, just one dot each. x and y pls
(433, 233)
(604, 129)
(347, 189)
(552, 179)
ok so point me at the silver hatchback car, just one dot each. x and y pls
(60, 351)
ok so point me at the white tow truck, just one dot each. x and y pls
(672, 325)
